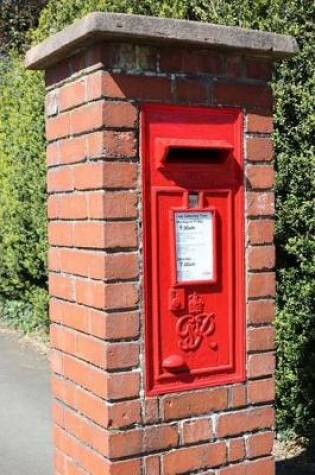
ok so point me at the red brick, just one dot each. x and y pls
(105, 175)
(79, 262)
(121, 235)
(95, 144)
(58, 127)
(102, 84)
(259, 123)
(260, 177)
(60, 179)
(96, 265)
(235, 423)
(194, 404)
(242, 94)
(112, 386)
(72, 94)
(89, 176)
(261, 284)
(261, 365)
(234, 66)
(128, 86)
(236, 450)
(89, 234)
(84, 430)
(121, 295)
(197, 431)
(52, 207)
(56, 362)
(121, 266)
(151, 410)
(87, 458)
(193, 458)
(57, 73)
(91, 293)
(123, 385)
(114, 415)
(259, 444)
(73, 469)
(124, 444)
(124, 414)
(52, 154)
(121, 204)
(85, 375)
(65, 391)
(260, 231)
(262, 390)
(71, 206)
(114, 326)
(237, 396)
(122, 355)
(171, 59)
(87, 118)
(143, 87)
(119, 114)
(152, 465)
(59, 461)
(120, 175)
(192, 90)
(62, 339)
(239, 469)
(260, 203)
(61, 286)
(259, 149)
(73, 150)
(261, 257)
(60, 233)
(264, 466)
(258, 69)
(260, 339)
(133, 466)
(69, 314)
(162, 437)
(119, 144)
(193, 62)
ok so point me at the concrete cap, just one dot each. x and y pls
(97, 27)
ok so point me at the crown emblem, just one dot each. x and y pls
(195, 304)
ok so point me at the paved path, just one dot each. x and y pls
(25, 427)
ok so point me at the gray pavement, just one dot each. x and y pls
(25, 425)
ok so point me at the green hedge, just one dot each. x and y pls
(22, 221)
(23, 294)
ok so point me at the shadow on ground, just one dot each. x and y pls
(301, 464)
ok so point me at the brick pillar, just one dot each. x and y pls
(103, 422)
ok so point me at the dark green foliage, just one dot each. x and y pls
(294, 81)
(16, 18)
(22, 197)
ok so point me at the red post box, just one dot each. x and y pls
(193, 247)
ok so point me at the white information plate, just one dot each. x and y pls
(194, 246)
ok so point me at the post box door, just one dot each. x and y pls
(193, 247)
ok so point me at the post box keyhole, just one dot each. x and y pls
(193, 200)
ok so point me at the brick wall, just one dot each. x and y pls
(103, 424)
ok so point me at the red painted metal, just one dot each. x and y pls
(192, 165)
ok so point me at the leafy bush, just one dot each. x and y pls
(22, 183)
(293, 85)
(16, 18)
